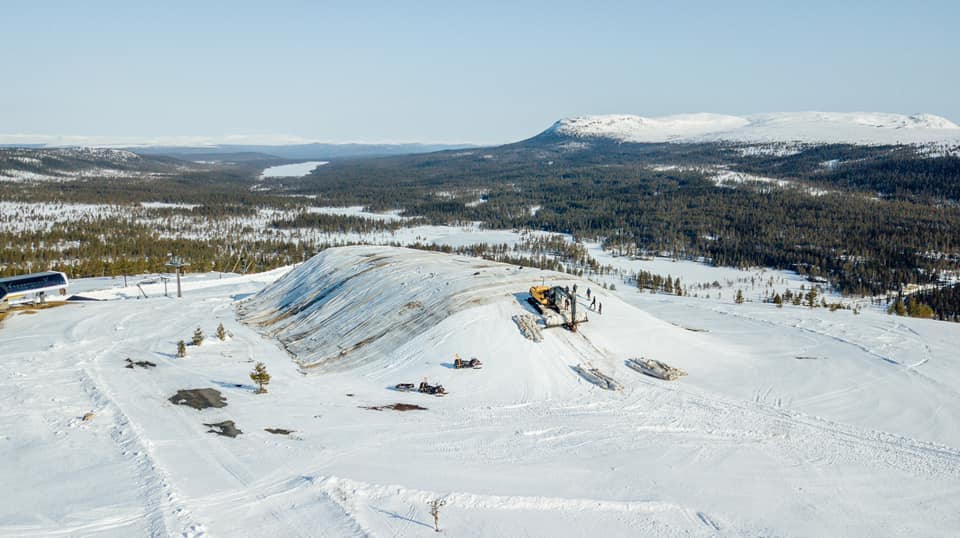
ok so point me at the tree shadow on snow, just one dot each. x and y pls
(395, 515)
(225, 385)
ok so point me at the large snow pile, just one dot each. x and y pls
(804, 127)
(349, 306)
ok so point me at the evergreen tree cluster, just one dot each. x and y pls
(912, 307)
(944, 301)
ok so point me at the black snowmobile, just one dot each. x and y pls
(474, 363)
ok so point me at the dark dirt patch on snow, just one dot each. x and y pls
(226, 428)
(395, 407)
(278, 431)
(199, 398)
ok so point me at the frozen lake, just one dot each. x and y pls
(292, 170)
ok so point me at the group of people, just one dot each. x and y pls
(593, 304)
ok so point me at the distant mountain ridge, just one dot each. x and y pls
(868, 128)
(319, 151)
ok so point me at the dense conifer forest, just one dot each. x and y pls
(866, 219)
(891, 219)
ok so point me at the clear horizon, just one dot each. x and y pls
(438, 73)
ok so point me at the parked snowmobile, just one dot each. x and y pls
(460, 364)
(435, 390)
(424, 387)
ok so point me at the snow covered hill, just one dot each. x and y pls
(69, 164)
(804, 127)
(792, 421)
(351, 306)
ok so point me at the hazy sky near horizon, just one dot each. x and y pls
(480, 72)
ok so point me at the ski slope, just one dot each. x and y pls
(857, 438)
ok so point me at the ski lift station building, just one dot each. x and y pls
(50, 286)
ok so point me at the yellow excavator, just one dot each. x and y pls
(542, 297)
(564, 303)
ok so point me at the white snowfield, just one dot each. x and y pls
(869, 128)
(791, 421)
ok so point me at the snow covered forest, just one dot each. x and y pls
(868, 219)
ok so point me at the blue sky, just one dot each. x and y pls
(457, 72)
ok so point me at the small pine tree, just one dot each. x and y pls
(197, 337)
(739, 298)
(812, 298)
(260, 376)
(181, 349)
(777, 300)
(221, 332)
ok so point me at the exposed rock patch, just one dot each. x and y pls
(226, 428)
(199, 398)
(395, 407)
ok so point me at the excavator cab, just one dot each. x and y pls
(547, 297)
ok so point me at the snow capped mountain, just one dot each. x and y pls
(870, 128)
(640, 129)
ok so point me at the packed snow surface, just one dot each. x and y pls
(802, 127)
(791, 421)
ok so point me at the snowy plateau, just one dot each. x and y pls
(790, 422)
(869, 128)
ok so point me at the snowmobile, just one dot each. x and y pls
(435, 390)
(461, 364)
(424, 387)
